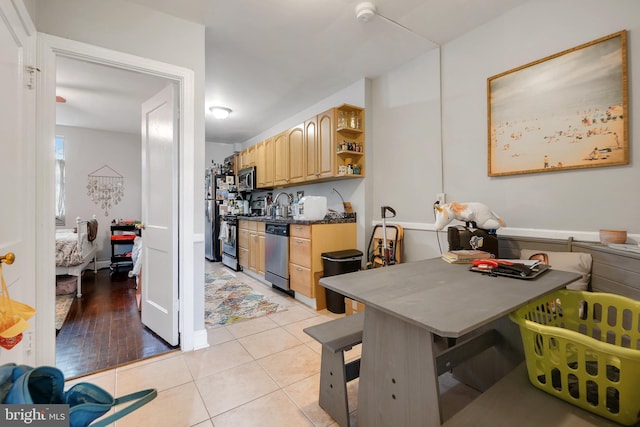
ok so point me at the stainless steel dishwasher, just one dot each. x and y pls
(277, 255)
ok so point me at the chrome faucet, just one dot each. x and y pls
(274, 202)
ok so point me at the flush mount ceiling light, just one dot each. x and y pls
(220, 112)
(365, 11)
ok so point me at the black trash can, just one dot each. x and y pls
(339, 262)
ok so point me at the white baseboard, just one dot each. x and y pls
(200, 340)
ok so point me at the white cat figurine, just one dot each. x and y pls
(479, 213)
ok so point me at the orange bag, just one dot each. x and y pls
(13, 317)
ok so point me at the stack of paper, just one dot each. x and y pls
(465, 256)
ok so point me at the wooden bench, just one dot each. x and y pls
(336, 337)
(514, 401)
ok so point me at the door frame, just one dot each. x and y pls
(49, 47)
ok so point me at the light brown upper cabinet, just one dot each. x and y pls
(295, 139)
(281, 159)
(326, 147)
(247, 157)
(264, 163)
(310, 148)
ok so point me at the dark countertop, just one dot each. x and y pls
(331, 218)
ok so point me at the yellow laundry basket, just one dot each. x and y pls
(584, 348)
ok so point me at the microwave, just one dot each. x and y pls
(247, 179)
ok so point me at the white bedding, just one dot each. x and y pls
(74, 253)
(68, 251)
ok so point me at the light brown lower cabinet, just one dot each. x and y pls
(307, 243)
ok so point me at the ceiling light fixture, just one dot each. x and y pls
(365, 11)
(220, 112)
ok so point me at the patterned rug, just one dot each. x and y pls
(229, 300)
(63, 305)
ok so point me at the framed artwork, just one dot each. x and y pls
(566, 111)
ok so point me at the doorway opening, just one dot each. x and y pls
(98, 115)
(51, 50)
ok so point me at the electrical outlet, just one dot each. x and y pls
(440, 197)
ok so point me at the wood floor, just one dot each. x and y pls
(103, 328)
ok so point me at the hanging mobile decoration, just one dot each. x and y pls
(105, 187)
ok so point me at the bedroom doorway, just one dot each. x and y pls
(183, 80)
(98, 115)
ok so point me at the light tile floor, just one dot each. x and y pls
(260, 372)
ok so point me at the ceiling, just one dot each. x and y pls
(102, 97)
(270, 59)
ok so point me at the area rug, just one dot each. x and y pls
(63, 305)
(229, 300)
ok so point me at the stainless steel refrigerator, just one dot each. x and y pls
(217, 188)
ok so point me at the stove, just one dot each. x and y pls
(230, 243)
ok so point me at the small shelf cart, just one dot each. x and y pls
(122, 236)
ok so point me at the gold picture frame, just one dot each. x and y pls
(565, 111)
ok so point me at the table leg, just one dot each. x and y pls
(398, 376)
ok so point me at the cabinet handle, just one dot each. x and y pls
(299, 241)
(298, 269)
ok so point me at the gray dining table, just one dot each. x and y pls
(406, 306)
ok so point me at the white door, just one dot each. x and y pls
(160, 214)
(17, 163)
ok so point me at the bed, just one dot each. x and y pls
(76, 248)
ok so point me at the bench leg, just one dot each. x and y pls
(333, 386)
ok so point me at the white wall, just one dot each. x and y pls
(216, 152)
(87, 150)
(406, 164)
(406, 136)
(582, 200)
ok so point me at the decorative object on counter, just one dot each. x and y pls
(613, 236)
(105, 187)
(476, 212)
(229, 300)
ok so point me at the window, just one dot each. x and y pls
(59, 168)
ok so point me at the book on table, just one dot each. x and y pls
(465, 256)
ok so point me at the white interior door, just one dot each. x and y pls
(17, 163)
(160, 214)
